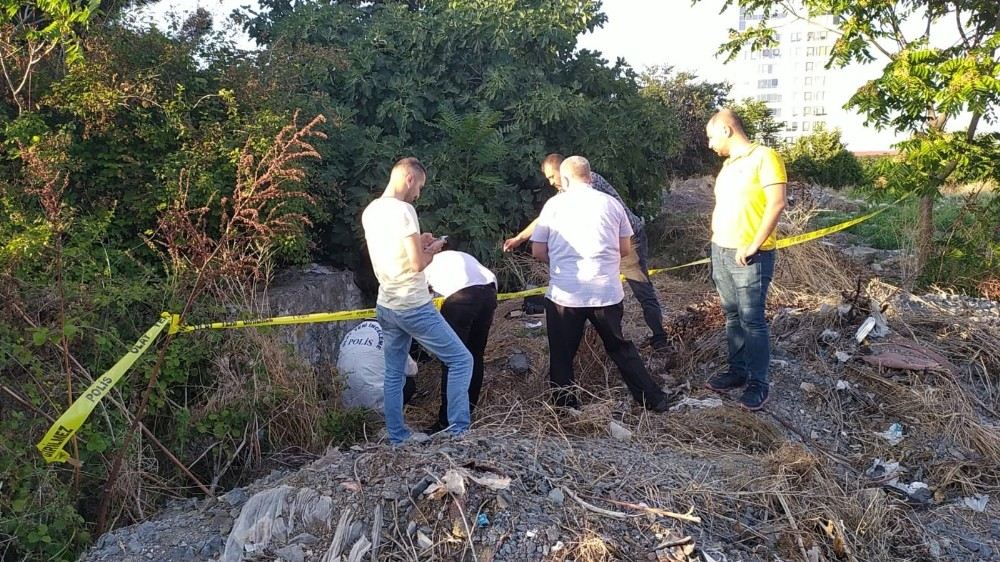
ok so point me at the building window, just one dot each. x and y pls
(767, 69)
(809, 66)
(823, 51)
(806, 126)
(820, 110)
(767, 83)
(808, 81)
(810, 51)
(811, 36)
(818, 96)
(807, 110)
(819, 80)
(797, 36)
(808, 96)
(776, 112)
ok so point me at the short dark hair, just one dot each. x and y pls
(555, 160)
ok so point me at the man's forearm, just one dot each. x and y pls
(525, 234)
(772, 213)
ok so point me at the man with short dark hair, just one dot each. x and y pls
(399, 254)
(634, 266)
(749, 199)
(583, 234)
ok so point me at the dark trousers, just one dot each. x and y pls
(470, 313)
(635, 268)
(743, 292)
(565, 327)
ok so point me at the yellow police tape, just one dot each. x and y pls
(51, 446)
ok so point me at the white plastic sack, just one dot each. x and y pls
(361, 366)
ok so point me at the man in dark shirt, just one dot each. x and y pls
(634, 267)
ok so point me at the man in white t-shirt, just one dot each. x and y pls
(470, 299)
(400, 254)
(583, 234)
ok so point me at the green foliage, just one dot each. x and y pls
(971, 235)
(478, 90)
(38, 516)
(693, 103)
(822, 158)
(346, 426)
(759, 121)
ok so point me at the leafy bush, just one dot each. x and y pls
(822, 158)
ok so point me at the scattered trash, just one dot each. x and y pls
(844, 309)
(532, 325)
(619, 432)
(843, 385)
(491, 481)
(843, 356)
(519, 362)
(893, 435)
(779, 363)
(903, 354)
(829, 336)
(482, 520)
(557, 547)
(808, 387)
(884, 470)
(697, 403)
(976, 503)
(875, 325)
(531, 533)
(916, 491)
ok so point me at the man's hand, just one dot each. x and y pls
(744, 254)
(435, 247)
(511, 244)
(426, 239)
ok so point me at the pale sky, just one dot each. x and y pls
(645, 33)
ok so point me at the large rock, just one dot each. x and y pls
(308, 289)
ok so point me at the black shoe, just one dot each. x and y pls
(659, 343)
(755, 396)
(658, 405)
(726, 381)
(562, 398)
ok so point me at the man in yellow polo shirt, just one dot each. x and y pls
(749, 199)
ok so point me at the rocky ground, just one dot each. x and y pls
(887, 449)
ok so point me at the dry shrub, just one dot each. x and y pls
(589, 546)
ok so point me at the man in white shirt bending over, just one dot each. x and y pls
(470, 292)
(399, 254)
(583, 234)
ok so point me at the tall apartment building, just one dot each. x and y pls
(791, 78)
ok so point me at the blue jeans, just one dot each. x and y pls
(426, 325)
(743, 291)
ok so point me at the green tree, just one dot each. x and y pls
(759, 121)
(693, 102)
(821, 157)
(923, 88)
(479, 90)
